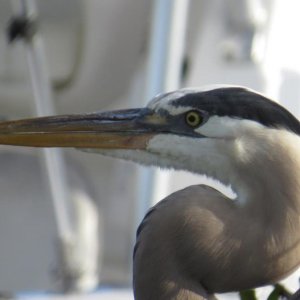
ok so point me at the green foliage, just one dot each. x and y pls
(279, 292)
(248, 295)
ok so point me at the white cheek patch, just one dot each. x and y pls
(227, 127)
(165, 103)
(169, 142)
(177, 110)
(199, 155)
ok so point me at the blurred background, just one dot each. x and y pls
(68, 218)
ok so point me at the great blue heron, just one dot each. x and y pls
(197, 242)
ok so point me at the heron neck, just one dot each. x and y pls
(262, 165)
(267, 181)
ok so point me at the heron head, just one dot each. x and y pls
(191, 129)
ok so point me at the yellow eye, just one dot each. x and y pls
(193, 118)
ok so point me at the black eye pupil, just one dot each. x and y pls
(192, 119)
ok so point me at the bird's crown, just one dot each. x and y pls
(227, 101)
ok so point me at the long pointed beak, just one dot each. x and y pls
(124, 129)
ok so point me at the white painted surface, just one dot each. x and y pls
(109, 294)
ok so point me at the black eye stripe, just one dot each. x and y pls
(240, 103)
